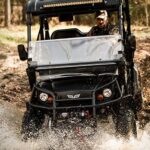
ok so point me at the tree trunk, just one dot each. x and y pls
(146, 12)
(7, 13)
(24, 11)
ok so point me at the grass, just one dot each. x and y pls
(141, 32)
(12, 37)
(15, 35)
(9, 38)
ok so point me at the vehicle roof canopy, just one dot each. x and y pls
(55, 7)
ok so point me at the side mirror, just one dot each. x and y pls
(23, 55)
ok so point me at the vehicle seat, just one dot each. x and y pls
(67, 33)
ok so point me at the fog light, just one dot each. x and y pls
(107, 92)
(100, 97)
(43, 97)
(50, 99)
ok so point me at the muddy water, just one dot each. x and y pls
(10, 138)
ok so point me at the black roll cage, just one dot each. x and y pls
(122, 9)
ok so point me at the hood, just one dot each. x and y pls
(78, 86)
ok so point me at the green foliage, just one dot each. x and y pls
(137, 7)
(1, 7)
(137, 12)
(85, 19)
(4, 38)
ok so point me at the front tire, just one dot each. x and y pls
(126, 123)
(31, 124)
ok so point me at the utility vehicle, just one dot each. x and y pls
(78, 79)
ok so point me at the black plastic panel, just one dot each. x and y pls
(112, 2)
(55, 7)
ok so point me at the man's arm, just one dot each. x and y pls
(92, 32)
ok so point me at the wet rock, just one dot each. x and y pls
(144, 118)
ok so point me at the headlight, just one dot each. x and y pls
(107, 93)
(43, 97)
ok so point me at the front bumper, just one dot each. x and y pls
(81, 102)
(127, 97)
(93, 106)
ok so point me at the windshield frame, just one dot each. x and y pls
(42, 17)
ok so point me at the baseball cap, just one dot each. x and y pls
(102, 15)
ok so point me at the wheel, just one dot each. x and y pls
(31, 124)
(126, 123)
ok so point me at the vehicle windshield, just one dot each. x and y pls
(76, 50)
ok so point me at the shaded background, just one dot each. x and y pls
(13, 12)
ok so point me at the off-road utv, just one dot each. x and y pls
(78, 79)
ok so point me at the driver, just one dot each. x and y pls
(102, 26)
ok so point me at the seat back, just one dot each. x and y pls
(67, 33)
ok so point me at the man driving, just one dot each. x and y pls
(102, 26)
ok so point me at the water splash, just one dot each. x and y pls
(104, 139)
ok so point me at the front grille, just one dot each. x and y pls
(74, 103)
(81, 91)
(73, 95)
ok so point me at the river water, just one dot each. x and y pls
(104, 139)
